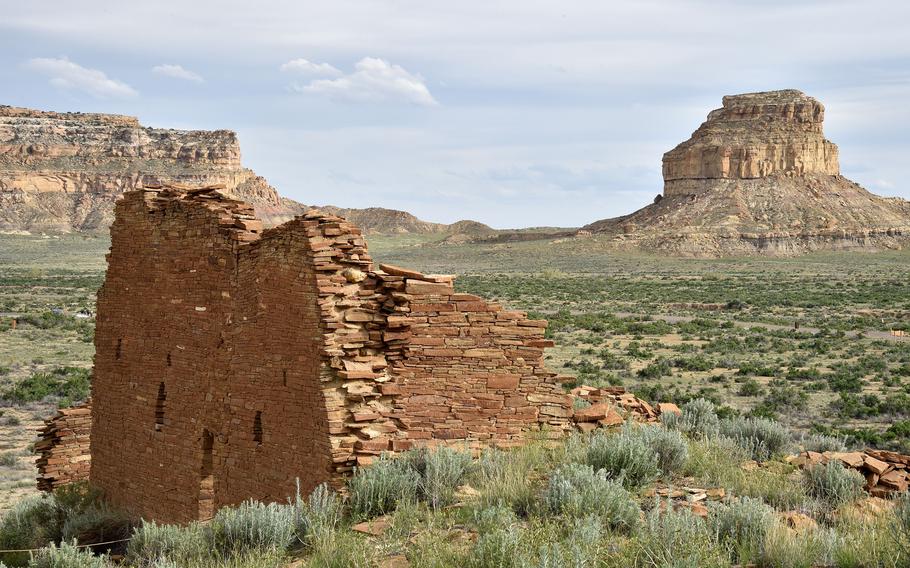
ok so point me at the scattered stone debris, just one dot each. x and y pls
(684, 497)
(885, 472)
(63, 447)
(373, 527)
(612, 406)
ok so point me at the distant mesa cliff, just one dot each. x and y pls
(759, 177)
(62, 172)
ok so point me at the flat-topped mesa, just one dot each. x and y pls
(753, 135)
(63, 171)
(43, 140)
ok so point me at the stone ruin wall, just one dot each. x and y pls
(63, 447)
(231, 361)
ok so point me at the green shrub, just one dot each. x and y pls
(697, 418)
(741, 526)
(672, 450)
(576, 490)
(97, 523)
(68, 383)
(660, 368)
(503, 477)
(318, 515)
(152, 544)
(31, 523)
(67, 556)
(440, 472)
(677, 539)
(787, 549)
(9, 459)
(377, 489)
(833, 484)
(253, 527)
(761, 437)
(821, 443)
(749, 388)
(624, 456)
(500, 548)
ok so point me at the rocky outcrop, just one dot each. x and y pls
(759, 177)
(753, 136)
(63, 172)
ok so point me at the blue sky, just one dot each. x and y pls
(511, 112)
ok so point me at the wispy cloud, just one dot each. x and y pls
(306, 67)
(373, 80)
(177, 72)
(64, 74)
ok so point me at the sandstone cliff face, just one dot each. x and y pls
(753, 136)
(63, 171)
(759, 177)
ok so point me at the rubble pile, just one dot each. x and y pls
(611, 406)
(886, 472)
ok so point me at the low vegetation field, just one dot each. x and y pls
(811, 342)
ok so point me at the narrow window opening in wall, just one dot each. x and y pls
(159, 407)
(168, 358)
(257, 427)
(119, 348)
(284, 377)
(207, 478)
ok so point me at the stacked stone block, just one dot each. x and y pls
(232, 362)
(63, 448)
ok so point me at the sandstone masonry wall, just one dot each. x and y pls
(231, 361)
(63, 448)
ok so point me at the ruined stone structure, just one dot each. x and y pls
(63, 448)
(231, 361)
(759, 177)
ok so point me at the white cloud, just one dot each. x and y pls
(67, 75)
(373, 80)
(306, 67)
(177, 72)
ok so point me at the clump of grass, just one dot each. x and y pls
(675, 538)
(901, 528)
(377, 490)
(440, 472)
(761, 437)
(740, 526)
(318, 515)
(32, 523)
(9, 459)
(500, 548)
(698, 418)
(152, 544)
(822, 443)
(624, 456)
(67, 556)
(253, 527)
(787, 549)
(507, 478)
(671, 448)
(717, 463)
(833, 484)
(576, 490)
